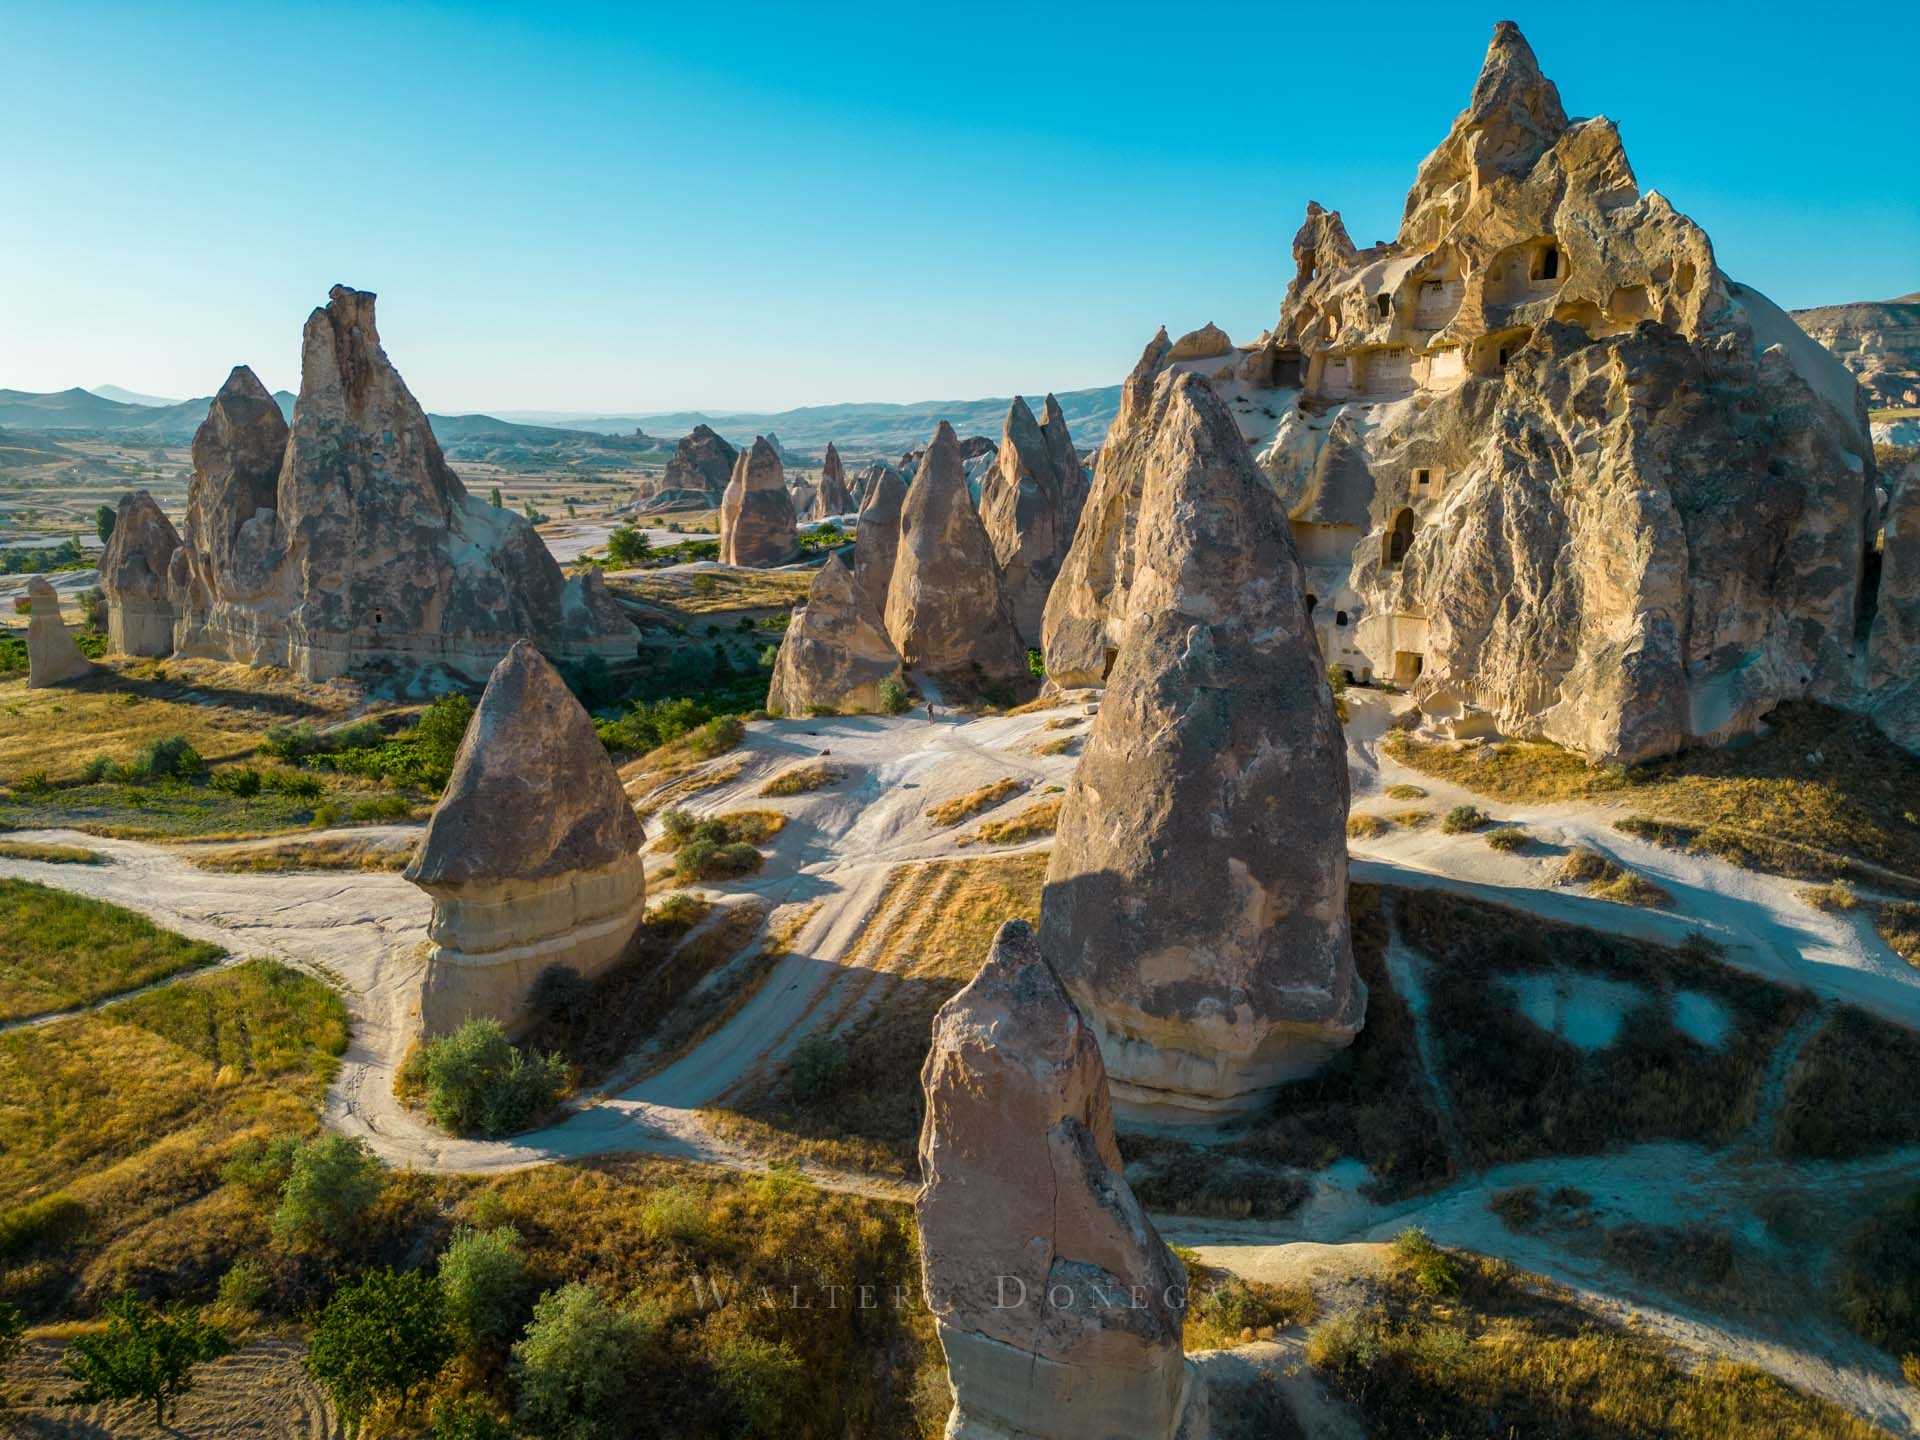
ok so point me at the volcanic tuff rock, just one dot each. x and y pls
(757, 523)
(946, 611)
(806, 500)
(532, 855)
(865, 480)
(1057, 1303)
(133, 573)
(696, 476)
(1202, 344)
(876, 538)
(1878, 340)
(1196, 901)
(835, 498)
(52, 656)
(835, 655)
(1030, 502)
(1893, 656)
(364, 548)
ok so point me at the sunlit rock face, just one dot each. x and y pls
(694, 478)
(1030, 503)
(133, 576)
(757, 517)
(356, 545)
(876, 540)
(53, 658)
(1547, 466)
(835, 657)
(1196, 899)
(1057, 1304)
(532, 856)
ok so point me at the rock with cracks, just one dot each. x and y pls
(133, 575)
(946, 610)
(876, 540)
(52, 656)
(757, 520)
(695, 478)
(1030, 503)
(1196, 901)
(1057, 1304)
(833, 497)
(532, 856)
(835, 657)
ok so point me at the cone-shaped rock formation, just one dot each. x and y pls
(834, 496)
(133, 575)
(835, 656)
(52, 656)
(1030, 503)
(876, 541)
(694, 478)
(757, 521)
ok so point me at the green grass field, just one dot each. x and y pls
(59, 950)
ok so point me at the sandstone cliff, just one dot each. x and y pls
(363, 549)
(757, 521)
(1878, 340)
(133, 575)
(1057, 1303)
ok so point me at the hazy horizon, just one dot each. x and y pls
(615, 213)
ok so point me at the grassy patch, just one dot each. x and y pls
(1361, 826)
(340, 853)
(1064, 745)
(1836, 895)
(1030, 824)
(1519, 1091)
(716, 592)
(717, 847)
(1224, 1310)
(49, 854)
(1412, 819)
(1820, 779)
(1850, 1092)
(1606, 879)
(1878, 1288)
(802, 780)
(1462, 819)
(1898, 922)
(1406, 792)
(1504, 1353)
(965, 807)
(58, 950)
(1507, 839)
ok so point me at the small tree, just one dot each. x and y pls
(103, 521)
(628, 546)
(143, 1354)
(383, 1335)
(483, 1275)
(331, 1182)
(577, 1365)
(761, 1380)
(13, 1330)
(893, 696)
(479, 1082)
(495, 498)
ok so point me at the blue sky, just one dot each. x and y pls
(748, 206)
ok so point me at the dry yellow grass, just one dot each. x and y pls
(1034, 707)
(338, 853)
(1898, 922)
(1062, 746)
(965, 807)
(802, 780)
(49, 854)
(715, 592)
(1412, 819)
(636, 778)
(1030, 824)
(1606, 879)
(1362, 826)
(754, 827)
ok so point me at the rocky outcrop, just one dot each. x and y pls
(806, 500)
(532, 856)
(835, 657)
(133, 575)
(946, 611)
(695, 478)
(365, 550)
(867, 478)
(876, 539)
(1878, 340)
(1893, 655)
(1057, 1304)
(757, 521)
(834, 496)
(1196, 901)
(1206, 343)
(52, 656)
(1080, 626)
(1030, 503)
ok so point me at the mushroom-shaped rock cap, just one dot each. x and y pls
(533, 793)
(139, 550)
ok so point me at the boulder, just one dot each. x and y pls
(1030, 503)
(946, 611)
(133, 575)
(52, 656)
(694, 478)
(876, 539)
(366, 551)
(835, 657)
(1057, 1304)
(532, 856)
(1196, 900)
(834, 496)
(1202, 344)
(757, 521)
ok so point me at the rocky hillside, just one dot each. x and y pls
(1878, 340)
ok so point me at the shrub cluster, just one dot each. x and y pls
(477, 1082)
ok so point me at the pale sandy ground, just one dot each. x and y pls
(366, 931)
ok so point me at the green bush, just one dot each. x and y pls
(479, 1083)
(244, 1287)
(144, 1353)
(331, 1184)
(676, 1212)
(819, 1065)
(1432, 1269)
(560, 994)
(242, 782)
(1879, 1285)
(703, 858)
(577, 1367)
(627, 546)
(168, 758)
(1507, 838)
(381, 1336)
(483, 1277)
(467, 1419)
(759, 1379)
(1463, 818)
(893, 696)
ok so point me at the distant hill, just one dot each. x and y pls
(130, 397)
(1878, 340)
(83, 412)
(855, 429)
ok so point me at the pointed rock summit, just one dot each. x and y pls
(1058, 1305)
(757, 520)
(52, 656)
(365, 550)
(532, 855)
(1196, 901)
(835, 657)
(876, 539)
(133, 575)
(834, 496)
(1030, 503)
(946, 611)
(694, 478)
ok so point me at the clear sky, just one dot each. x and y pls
(754, 206)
